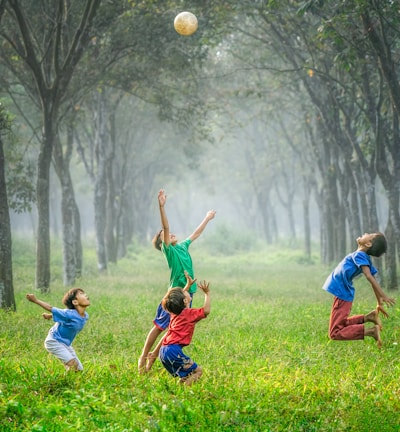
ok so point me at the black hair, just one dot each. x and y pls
(379, 245)
(173, 301)
(157, 241)
(70, 296)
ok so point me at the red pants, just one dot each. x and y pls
(343, 327)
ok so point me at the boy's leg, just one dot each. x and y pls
(161, 322)
(64, 353)
(178, 364)
(373, 317)
(374, 332)
(74, 363)
(152, 356)
(150, 340)
(343, 327)
(194, 376)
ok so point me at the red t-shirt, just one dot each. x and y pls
(181, 327)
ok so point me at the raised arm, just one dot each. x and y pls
(189, 281)
(196, 233)
(32, 298)
(162, 198)
(205, 287)
(381, 297)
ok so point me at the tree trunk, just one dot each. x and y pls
(7, 300)
(77, 241)
(111, 224)
(307, 226)
(100, 196)
(111, 220)
(100, 187)
(288, 202)
(266, 213)
(390, 259)
(333, 221)
(72, 247)
(43, 208)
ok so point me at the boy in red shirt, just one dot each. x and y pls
(180, 331)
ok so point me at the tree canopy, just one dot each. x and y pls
(287, 108)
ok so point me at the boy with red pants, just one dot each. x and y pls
(340, 284)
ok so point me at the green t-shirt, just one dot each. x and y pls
(179, 259)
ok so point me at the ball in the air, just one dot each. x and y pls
(185, 23)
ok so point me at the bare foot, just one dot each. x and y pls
(194, 376)
(374, 332)
(150, 361)
(377, 329)
(142, 365)
(377, 335)
(373, 317)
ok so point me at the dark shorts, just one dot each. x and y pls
(176, 362)
(162, 318)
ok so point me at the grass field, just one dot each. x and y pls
(268, 363)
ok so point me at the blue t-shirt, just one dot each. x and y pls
(340, 281)
(68, 324)
(179, 259)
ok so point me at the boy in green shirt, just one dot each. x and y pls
(179, 261)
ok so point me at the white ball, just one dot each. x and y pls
(185, 23)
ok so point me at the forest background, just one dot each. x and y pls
(281, 115)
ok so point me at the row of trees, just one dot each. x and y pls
(326, 75)
(344, 55)
(66, 67)
(303, 93)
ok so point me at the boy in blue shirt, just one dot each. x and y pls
(340, 284)
(68, 323)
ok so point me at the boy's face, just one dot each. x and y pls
(172, 238)
(81, 299)
(366, 240)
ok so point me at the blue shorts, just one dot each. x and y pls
(162, 318)
(175, 361)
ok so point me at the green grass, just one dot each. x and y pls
(268, 364)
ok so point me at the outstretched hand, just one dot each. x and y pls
(189, 281)
(381, 310)
(204, 286)
(162, 198)
(388, 301)
(31, 297)
(210, 214)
